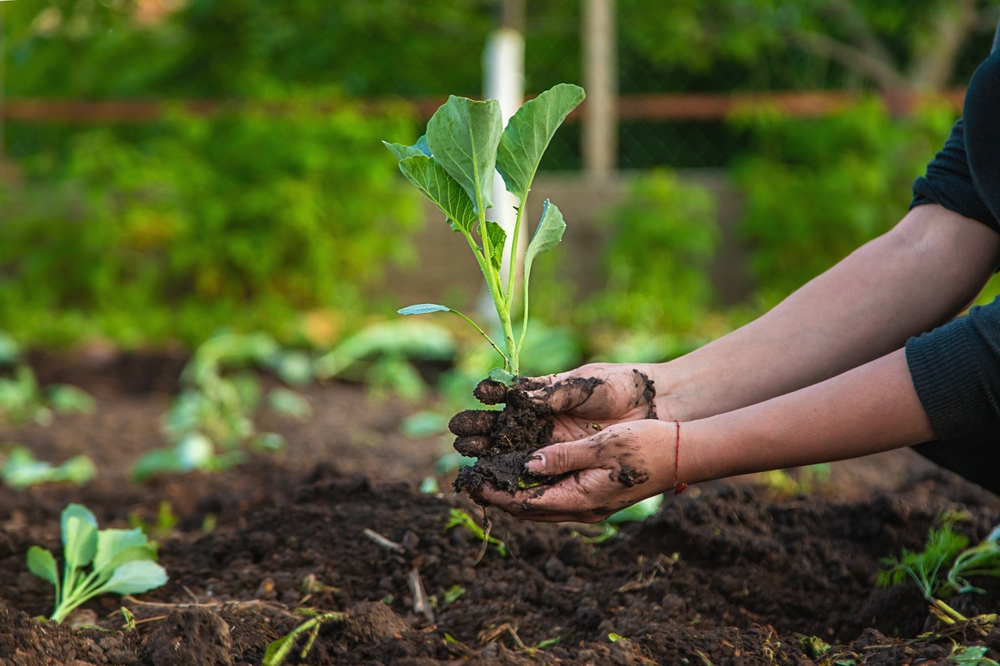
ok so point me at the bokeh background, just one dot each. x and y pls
(173, 169)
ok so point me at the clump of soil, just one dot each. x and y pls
(504, 441)
(501, 441)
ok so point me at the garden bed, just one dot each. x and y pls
(725, 574)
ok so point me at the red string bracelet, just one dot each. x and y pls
(678, 486)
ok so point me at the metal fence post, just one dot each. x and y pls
(600, 74)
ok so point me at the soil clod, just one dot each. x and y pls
(490, 392)
(503, 441)
(473, 422)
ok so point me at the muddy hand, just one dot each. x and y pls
(615, 468)
(593, 397)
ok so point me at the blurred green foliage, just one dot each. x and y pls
(663, 235)
(818, 189)
(239, 220)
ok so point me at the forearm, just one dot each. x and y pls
(918, 276)
(866, 410)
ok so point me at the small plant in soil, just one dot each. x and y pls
(21, 469)
(23, 400)
(278, 650)
(120, 561)
(216, 408)
(944, 568)
(454, 165)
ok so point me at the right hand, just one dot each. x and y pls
(590, 398)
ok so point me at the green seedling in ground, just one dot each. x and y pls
(453, 594)
(944, 567)
(212, 419)
(454, 165)
(21, 469)
(22, 400)
(159, 529)
(278, 650)
(459, 518)
(121, 562)
(380, 354)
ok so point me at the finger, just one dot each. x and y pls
(566, 393)
(566, 457)
(572, 499)
(473, 422)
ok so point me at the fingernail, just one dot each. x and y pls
(536, 463)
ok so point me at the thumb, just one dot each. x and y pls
(564, 458)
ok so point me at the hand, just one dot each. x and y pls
(615, 468)
(596, 396)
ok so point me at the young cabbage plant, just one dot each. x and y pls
(454, 164)
(121, 562)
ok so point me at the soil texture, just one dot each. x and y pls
(722, 575)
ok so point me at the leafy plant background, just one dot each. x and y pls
(150, 234)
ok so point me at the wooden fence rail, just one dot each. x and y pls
(659, 107)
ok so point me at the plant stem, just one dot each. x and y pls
(481, 331)
(950, 611)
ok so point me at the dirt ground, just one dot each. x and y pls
(727, 573)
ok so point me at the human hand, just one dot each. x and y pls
(614, 468)
(595, 396)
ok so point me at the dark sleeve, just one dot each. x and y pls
(948, 182)
(956, 371)
(956, 368)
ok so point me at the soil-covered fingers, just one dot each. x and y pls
(584, 497)
(606, 473)
(599, 391)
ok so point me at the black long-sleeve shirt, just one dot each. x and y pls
(956, 368)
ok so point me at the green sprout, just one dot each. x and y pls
(21, 469)
(121, 561)
(945, 549)
(454, 164)
(459, 518)
(278, 650)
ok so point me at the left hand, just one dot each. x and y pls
(615, 468)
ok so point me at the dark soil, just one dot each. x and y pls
(501, 441)
(723, 575)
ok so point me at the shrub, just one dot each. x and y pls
(656, 263)
(240, 220)
(817, 189)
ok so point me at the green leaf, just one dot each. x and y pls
(463, 136)
(498, 238)
(142, 553)
(66, 399)
(423, 308)
(270, 441)
(79, 542)
(638, 512)
(289, 403)
(502, 376)
(136, 577)
(548, 234)
(443, 190)
(42, 564)
(112, 541)
(21, 469)
(529, 132)
(278, 649)
(79, 534)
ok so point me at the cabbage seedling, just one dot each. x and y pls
(454, 164)
(121, 562)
